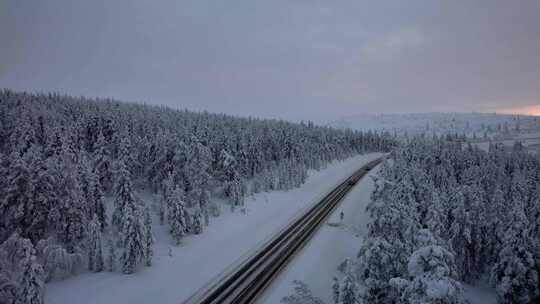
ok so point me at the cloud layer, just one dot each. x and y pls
(294, 59)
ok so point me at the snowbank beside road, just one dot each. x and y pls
(180, 271)
(317, 264)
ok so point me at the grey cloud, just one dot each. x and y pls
(291, 59)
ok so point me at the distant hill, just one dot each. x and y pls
(473, 124)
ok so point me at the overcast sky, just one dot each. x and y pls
(306, 59)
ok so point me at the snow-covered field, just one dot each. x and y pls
(531, 141)
(317, 263)
(180, 271)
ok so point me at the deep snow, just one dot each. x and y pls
(180, 271)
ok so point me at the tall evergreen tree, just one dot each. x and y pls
(103, 162)
(95, 252)
(515, 275)
(125, 199)
(133, 239)
(149, 238)
(31, 285)
(112, 257)
(177, 215)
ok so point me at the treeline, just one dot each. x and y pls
(62, 158)
(444, 215)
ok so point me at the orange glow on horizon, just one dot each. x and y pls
(528, 110)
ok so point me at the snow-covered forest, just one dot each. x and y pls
(70, 167)
(445, 217)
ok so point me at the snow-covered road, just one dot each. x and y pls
(179, 271)
(316, 264)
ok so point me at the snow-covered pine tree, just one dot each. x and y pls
(196, 226)
(460, 235)
(103, 162)
(111, 258)
(98, 200)
(234, 189)
(514, 274)
(432, 275)
(233, 183)
(205, 205)
(73, 222)
(335, 289)
(149, 246)
(162, 207)
(44, 197)
(348, 290)
(124, 195)
(177, 214)
(10, 256)
(133, 239)
(16, 201)
(30, 285)
(95, 251)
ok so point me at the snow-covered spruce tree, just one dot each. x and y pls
(103, 162)
(348, 290)
(177, 214)
(127, 216)
(96, 198)
(233, 182)
(44, 196)
(195, 220)
(95, 251)
(162, 209)
(431, 275)
(378, 262)
(149, 237)
(197, 176)
(30, 287)
(133, 237)
(460, 235)
(335, 289)
(390, 241)
(16, 201)
(73, 222)
(515, 275)
(234, 190)
(206, 206)
(112, 256)
(167, 189)
(10, 256)
(124, 195)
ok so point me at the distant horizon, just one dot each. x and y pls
(321, 121)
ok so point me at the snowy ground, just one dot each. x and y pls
(179, 271)
(317, 263)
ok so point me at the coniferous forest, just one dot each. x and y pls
(70, 168)
(445, 216)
